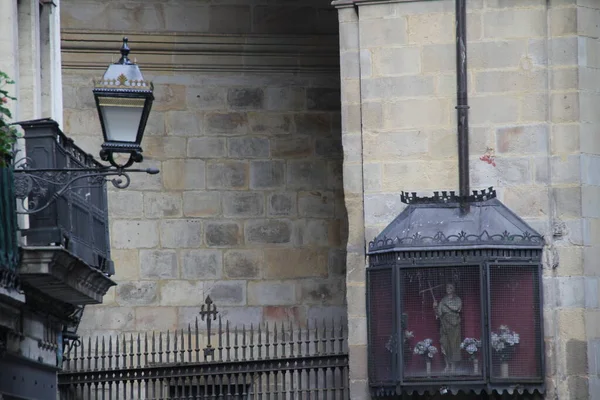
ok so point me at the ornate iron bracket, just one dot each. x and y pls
(31, 184)
(447, 197)
(209, 312)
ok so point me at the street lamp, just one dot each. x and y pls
(124, 100)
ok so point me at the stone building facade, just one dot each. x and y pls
(245, 129)
(269, 190)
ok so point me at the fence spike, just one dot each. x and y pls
(139, 350)
(259, 347)
(175, 345)
(96, 355)
(145, 349)
(275, 342)
(153, 347)
(168, 349)
(197, 341)
(267, 340)
(251, 341)
(110, 352)
(124, 353)
(89, 356)
(131, 352)
(341, 337)
(160, 347)
(332, 340)
(236, 343)
(189, 342)
(182, 346)
(227, 342)
(220, 339)
(324, 337)
(243, 342)
(307, 337)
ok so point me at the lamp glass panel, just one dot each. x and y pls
(121, 123)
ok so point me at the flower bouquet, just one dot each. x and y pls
(426, 349)
(471, 346)
(503, 344)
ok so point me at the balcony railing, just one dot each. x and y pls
(78, 218)
(9, 247)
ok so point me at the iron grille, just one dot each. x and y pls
(383, 339)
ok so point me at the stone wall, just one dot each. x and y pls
(248, 207)
(532, 89)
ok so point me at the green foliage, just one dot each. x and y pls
(8, 133)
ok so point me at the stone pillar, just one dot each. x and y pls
(30, 88)
(9, 62)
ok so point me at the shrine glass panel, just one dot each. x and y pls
(442, 308)
(381, 325)
(515, 323)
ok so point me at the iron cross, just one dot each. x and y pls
(208, 311)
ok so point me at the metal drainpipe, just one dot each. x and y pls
(462, 103)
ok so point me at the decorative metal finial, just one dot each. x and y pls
(208, 310)
(124, 52)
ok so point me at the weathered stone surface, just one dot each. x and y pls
(183, 123)
(236, 316)
(270, 123)
(290, 147)
(266, 293)
(158, 264)
(323, 99)
(201, 204)
(273, 231)
(316, 204)
(137, 293)
(226, 123)
(181, 233)
(181, 293)
(285, 314)
(163, 204)
(247, 98)
(241, 204)
(201, 264)
(134, 234)
(337, 262)
(183, 174)
(230, 18)
(206, 147)
(223, 234)
(318, 313)
(306, 175)
(313, 123)
(314, 232)
(109, 318)
(295, 263)
(249, 147)
(127, 264)
(227, 175)
(155, 319)
(227, 293)
(125, 204)
(320, 291)
(282, 204)
(206, 97)
(329, 148)
(243, 263)
(266, 174)
(286, 98)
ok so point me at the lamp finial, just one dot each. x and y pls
(124, 52)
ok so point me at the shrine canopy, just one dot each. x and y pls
(447, 222)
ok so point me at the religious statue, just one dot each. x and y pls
(448, 312)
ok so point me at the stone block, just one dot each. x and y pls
(80, 122)
(527, 201)
(127, 264)
(311, 232)
(181, 233)
(183, 123)
(243, 264)
(201, 204)
(568, 201)
(435, 175)
(243, 204)
(383, 32)
(111, 318)
(348, 36)
(285, 315)
(245, 98)
(158, 264)
(382, 208)
(591, 292)
(317, 124)
(494, 109)
(323, 99)
(270, 123)
(230, 19)
(566, 169)
(272, 231)
(128, 234)
(337, 262)
(416, 113)
(206, 97)
(534, 108)
(295, 263)
(125, 204)
(484, 55)
(227, 175)
(206, 147)
(431, 28)
(164, 147)
(578, 387)
(306, 175)
(571, 291)
(227, 293)
(357, 328)
(291, 147)
(590, 196)
(316, 204)
(282, 204)
(522, 139)
(338, 314)
(510, 81)
(183, 174)
(147, 182)
(249, 147)
(137, 293)
(350, 65)
(155, 319)
(514, 23)
(395, 146)
(162, 205)
(182, 293)
(268, 293)
(155, 126)
(564, 107)
(194, 17)
(398, 86)
(226, 123)
(330, 148)
(201, 264)
(284, 19)
(223, 234)
(571, 324)
(286, 98)
(266, 174)
(397, 61)
(322, 291)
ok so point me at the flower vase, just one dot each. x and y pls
(504, 369)
(428, 367)
(475, 366)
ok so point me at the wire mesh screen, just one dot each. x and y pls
(515, 336)
(381, 325)
(441, 315)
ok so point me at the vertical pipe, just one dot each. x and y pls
(462, 104)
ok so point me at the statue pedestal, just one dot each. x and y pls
(504, 370)
(428, 367)
(475, 366)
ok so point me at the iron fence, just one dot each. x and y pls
(9, 246)
(267, 361)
